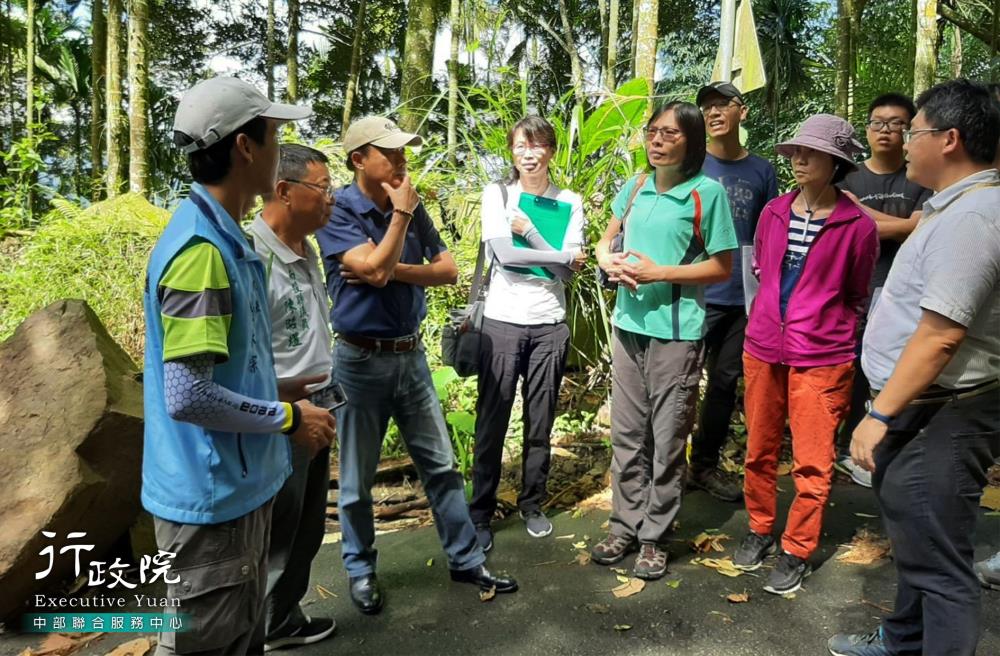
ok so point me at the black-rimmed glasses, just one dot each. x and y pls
(895, 125)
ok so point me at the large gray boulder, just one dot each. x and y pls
(70, 449)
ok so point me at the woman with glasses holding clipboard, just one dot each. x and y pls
(678, 237)
(524, 334)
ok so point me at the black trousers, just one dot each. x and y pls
(724, 361)
(929, 476)
(512, 352)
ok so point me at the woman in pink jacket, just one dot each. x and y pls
(814, 253)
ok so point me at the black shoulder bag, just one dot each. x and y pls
(461, 336)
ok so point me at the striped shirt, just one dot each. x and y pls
(801, 233)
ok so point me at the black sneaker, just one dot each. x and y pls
(753, 550)
(858, 644)
(484, 536)
(651, 563)
(722, 486)
(537, 524)
(314, 630)
(788, 574)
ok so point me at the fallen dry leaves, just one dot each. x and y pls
(629, 588)
(705, 542)
(583, 558)
(599, 501)
(61, 644)
(867, 547)
(486, 595)
(723, 566)
(738, 597)
(137, 647)
(991, 498)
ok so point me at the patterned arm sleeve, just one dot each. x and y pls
(192, 396)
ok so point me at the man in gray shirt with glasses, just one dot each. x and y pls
(932, 354)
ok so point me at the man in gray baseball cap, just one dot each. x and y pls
(214, 453)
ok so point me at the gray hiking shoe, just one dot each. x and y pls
(753, 550)
(611, 549)
(651, 563)
(857, 644)
(788, 574)
(988, 572)
(722, 486)
(537, 523)
(845, 464)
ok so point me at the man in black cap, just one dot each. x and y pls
(750, 183)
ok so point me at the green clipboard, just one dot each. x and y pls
(551, 218)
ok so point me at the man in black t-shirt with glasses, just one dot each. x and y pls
(880, 186)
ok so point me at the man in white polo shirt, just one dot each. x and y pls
(300, 338)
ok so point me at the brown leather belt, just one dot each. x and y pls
(403, 344)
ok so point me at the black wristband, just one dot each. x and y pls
(296, 419)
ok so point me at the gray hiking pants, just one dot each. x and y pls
(653, 397)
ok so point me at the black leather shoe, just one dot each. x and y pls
(366, 594)
(482, 577)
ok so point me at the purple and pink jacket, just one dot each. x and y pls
(820, 323)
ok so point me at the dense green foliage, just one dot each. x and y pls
(98, 255)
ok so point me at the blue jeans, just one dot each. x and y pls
(398, 385)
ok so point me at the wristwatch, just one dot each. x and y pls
(875, 414)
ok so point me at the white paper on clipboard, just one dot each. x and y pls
(750, 282)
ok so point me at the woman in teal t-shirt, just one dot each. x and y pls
(678, 237)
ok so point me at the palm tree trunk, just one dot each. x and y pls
(602, 50)
(10, 74)
(138, 94)
(352, 77)
(113, 90)
(925, 61)
(843, 80)
(635, 38)
(293, 50)
(455, 18)
(29, 89)
(956, 52)
(98, 57)
(78, 185)
(610, 79)
(645, 44)
(269, 50)
(29, 70)
(576, 68)
(418, 63)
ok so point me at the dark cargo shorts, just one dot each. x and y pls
(222, 580)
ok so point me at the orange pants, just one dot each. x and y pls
(815, 401)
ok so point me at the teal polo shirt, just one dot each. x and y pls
(662, 226)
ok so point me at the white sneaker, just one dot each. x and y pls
(846, 464)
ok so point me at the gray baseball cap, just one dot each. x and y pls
(212, 109)
(377, 131)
